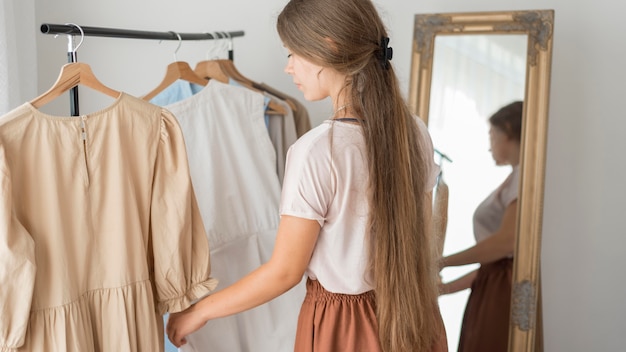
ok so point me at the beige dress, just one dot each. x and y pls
(100, 233)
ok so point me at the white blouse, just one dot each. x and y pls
(326, 179)
(488, 215)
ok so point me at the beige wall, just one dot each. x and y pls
(584, 220)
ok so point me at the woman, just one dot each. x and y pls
(355, 203)
(486, 320)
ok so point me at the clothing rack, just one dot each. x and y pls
(72, 29)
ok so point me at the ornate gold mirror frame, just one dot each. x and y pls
(538, 26)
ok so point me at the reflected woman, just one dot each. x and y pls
(486, 321)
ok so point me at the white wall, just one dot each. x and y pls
(584, 222)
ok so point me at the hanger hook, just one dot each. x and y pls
(229, 45)
(216, 36)
(180, 42)
(230, 40)
(82, 38)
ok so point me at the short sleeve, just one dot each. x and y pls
(429, 153)
(307, 184)
(17, 268)
(181, 251)
(510, 187)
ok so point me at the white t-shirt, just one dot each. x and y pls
(488, 215)
(328, 183)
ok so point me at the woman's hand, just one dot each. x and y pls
(179, 325)
(293, 248)
(459, 284)
(443, 288)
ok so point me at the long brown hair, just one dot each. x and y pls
(346, 35)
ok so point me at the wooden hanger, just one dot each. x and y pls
(228, 67)
(275, 108)
(70, 76)
(175, 71)
(278, 94)
(223, 70)
(211, 69)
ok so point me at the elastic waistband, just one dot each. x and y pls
(316, 292)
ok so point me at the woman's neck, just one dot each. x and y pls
(341, 111)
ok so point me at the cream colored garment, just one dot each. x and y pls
(440, 213)
(233, 169)
(98, 237)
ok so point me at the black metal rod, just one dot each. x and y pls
(48, 28)
(74, 106)
(71, 29)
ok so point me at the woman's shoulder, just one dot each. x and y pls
(328, 141)
(311, 144)
(509, 189)
(312, 136)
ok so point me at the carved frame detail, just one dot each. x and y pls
(538, 26)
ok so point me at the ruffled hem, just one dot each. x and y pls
(7, 349)
(183, 302)
(111, 319)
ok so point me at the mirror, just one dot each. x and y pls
(465, 66)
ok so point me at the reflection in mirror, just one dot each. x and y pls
(473, 76)
(465, 66)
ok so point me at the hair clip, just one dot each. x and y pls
(386, 52)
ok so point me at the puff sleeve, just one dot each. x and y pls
(17, 268)
(181, 251)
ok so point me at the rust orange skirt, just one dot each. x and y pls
(332, 322)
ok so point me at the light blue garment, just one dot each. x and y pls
(168, 345)
(176, 92)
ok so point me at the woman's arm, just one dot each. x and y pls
(294, 246)
(462, 283)
(496, 246)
